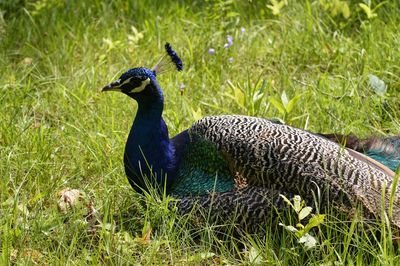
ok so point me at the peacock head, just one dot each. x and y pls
(141, 82)
(133, 82)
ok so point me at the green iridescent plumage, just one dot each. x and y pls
(203, 169)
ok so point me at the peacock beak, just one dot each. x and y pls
(114, 86)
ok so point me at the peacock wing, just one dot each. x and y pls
(278, 156)
(248, 208)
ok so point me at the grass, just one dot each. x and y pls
(57, 130)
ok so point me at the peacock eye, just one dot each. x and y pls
(139, 85)
(135, 82)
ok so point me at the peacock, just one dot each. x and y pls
(241, 164)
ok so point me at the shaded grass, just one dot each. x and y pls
(57, 130)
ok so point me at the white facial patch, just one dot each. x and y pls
(142, 86)
(125, 81)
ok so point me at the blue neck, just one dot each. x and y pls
(148, 151)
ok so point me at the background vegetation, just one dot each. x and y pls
(322, 65)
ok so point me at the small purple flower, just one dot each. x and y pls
(211, 51)
(230, 40)
(242, 30)
(230, 59)
(226, 46)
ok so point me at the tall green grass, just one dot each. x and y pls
(57, 130)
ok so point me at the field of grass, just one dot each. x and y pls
(57, 130)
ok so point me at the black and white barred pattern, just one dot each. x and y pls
(278, 156)
(248, 208)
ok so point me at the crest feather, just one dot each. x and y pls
(165, 62)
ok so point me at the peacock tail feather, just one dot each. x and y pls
(385, 150)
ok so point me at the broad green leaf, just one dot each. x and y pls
(232, 14)
(368, 11)
(289, 228)
(339, 7)
(308, 240)
(262, 92)
(277, 6)
(257, 97)
(292, 103)
(345, 10)
(297, 203)
(197, 114)
(284, 99)
(240, 97)
(278, 105)
(304, 212)
(314, 221)
(238, 94)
